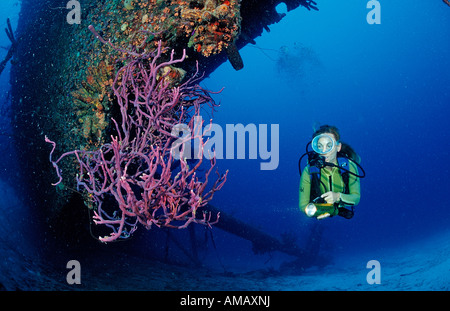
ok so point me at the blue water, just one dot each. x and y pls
(386, 87)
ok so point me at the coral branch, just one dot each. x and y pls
(136, 168)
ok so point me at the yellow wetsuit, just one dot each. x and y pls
(331, 180)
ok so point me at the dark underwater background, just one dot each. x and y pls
(386, 87)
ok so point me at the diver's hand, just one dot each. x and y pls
(331, 197)
(323, 216)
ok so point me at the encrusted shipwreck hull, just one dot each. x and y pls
(62, 75)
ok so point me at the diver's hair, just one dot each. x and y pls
(346, 149)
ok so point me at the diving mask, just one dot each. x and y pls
(323, 144)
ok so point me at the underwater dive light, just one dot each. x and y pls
(310, 210)
(319, 210)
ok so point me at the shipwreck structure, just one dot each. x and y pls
(64, 80)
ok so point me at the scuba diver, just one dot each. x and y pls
(329, 183)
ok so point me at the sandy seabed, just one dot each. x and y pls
(419, 265)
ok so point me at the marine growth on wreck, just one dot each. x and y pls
(206, 27)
